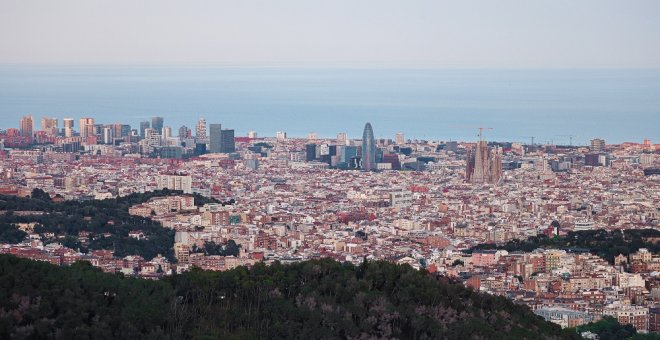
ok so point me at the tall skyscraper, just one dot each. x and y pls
(68, 127)
(368, 149)
(86, 127)
(484, 165)
(310, 152)
(49, 125)
(597, 144)
(116, 130)
(200, 129)
(108, 134)
(228, 145)
(157, 123)
(398, 138)
(27, 125)
(184, 132)
(125, 130)
(166, 132)
(143, 126)
(346, 153)
(280, 135)
(215, 138)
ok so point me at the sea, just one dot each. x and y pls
(558, 106)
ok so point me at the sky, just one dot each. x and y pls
(352, 33)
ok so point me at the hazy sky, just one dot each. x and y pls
(405, 33)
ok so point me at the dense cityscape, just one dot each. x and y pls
(504, 218)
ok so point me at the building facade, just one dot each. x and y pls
(215, 138)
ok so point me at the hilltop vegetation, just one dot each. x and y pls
(312, 299)
(100, 217)
(608, 328)
(604, 243)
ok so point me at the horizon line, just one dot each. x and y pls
(288, 65)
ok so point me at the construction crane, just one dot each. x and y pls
(570, 138)
(481, 130)
(530, 137)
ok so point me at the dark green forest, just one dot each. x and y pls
(99, 217)
(608, 328)
(312, 300)
(212, 248)
(604, 243)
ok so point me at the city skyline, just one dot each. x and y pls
(50, 125)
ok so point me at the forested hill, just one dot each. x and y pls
(308, 300)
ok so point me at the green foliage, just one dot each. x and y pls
(264, 145)
(108, 217)
(212, 248)
(39, 300)
(10, 234)
(72, 242)
(312, 299)
(40, 195)
(608, 328)
(604, 243)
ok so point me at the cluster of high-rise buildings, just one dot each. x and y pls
(155, 139)
(152, 138)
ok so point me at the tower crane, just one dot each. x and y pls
(530, 137)
(570, 138)
(481, 130)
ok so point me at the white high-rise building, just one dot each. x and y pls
(166, 133)
(280, 135)
(252, 134)
(152, 137)
(108, 134)
(399, 139)
(323, 149)
(342, 138)
(175, 182)
(200, 129)
(312, 136)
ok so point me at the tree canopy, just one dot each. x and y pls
(604, 243)
(108, 220)
(311, 299)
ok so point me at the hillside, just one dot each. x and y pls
(312, 299)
